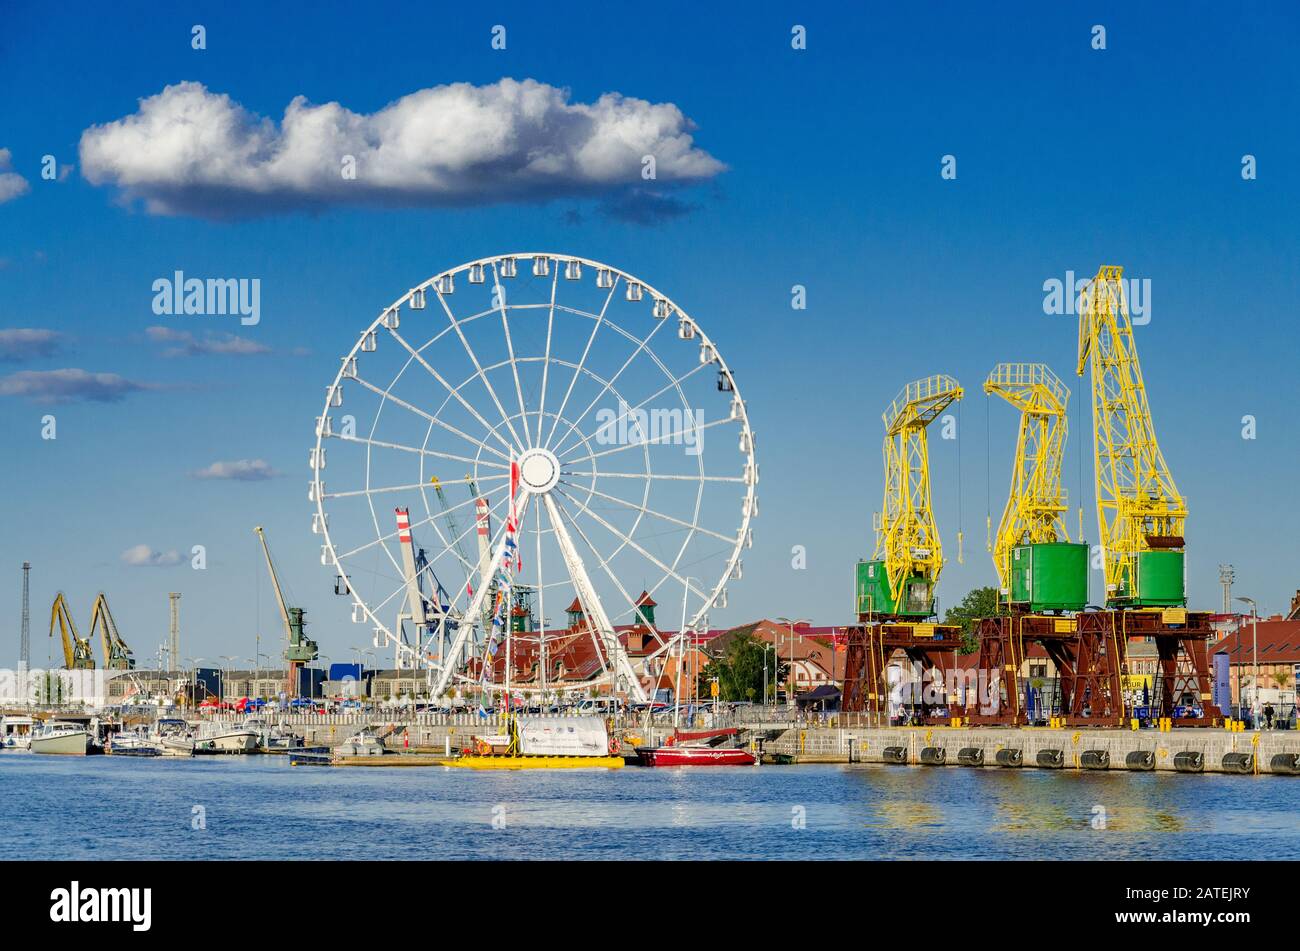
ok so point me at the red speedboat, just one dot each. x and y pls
(706, 748)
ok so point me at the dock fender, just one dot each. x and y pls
(1238, 762)
(1287, 764)
(1189, 761)
(1140, 760)
(1050, 759)
(934, 756)
(1094, 759)
(1009, 757)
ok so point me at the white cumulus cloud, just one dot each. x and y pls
(11, 183)
(240, 470)
(190, 151)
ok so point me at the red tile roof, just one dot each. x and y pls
(1279, 643)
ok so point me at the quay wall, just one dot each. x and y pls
(1074, 744)
(810, 743)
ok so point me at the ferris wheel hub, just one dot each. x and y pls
(539, 470)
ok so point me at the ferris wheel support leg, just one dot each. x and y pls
(588, 599)
(466, 627)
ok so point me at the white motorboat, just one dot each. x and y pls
(226, 739)
(63, 739)
(368, 742)
(16, 732)
(274, 738)
(174, 737)
(134, 743)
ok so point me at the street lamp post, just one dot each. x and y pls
(230, 663)
(789, 701)
(766, 648)
(1254, 627)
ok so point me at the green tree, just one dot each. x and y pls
(978, 603)
(739, 670)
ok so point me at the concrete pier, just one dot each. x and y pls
(1182, 750)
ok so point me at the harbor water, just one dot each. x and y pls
(258, 807)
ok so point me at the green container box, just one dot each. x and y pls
(1050, 576)
(874, 597)
(1160, 579)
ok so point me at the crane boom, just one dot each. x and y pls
(908, 549)
(300, 649)
(453, 528)
(77, 654)
(1140, 513)
(1033, 513)
(117, 656)
(275, 581)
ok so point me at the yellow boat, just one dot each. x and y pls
(537, 762)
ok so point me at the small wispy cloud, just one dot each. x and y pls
(20, 344)
(185, 344)
(238, 470)
(143, 556)
(69, 385)
(641, 206)
(12, 184)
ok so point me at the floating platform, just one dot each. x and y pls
(536, 762)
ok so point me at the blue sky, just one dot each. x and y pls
(1067, 158)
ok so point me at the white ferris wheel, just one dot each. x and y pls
(520, 458)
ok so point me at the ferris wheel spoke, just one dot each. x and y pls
(510, 347)
(582, 361)
(613, 379)
(661, 439)
(454, 393)
(652, 475)
(546, 363)
(433, 420)
(674, 382)
(629, 541)
(652, 512)
(469, 351)
(377, 490)
(589, 601)
(381, 444)
(604, 565)
(353, 493)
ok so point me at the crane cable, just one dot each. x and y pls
(988, 475)
(960, 536)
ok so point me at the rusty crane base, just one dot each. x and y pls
(1088, 664)
(1090, 653)
(869, 648)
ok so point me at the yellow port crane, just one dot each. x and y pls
(1033, 513)
(77, 654)
(1140, 514)
(117, 656)
(908, 549)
